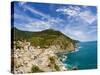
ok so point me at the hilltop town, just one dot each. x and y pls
(28, 59)
(37, 51)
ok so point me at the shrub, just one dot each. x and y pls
(56, 67)
(35, 69)
(52, 60)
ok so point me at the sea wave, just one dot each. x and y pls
(77, 49)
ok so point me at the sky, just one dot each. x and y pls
(76, 21)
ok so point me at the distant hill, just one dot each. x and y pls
(45, 38)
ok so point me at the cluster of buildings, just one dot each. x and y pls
(26, 55)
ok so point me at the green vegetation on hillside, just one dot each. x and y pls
(35, 69)
(45, 38)
(53, 64)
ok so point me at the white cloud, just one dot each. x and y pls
(80, 31)
(22, 16)
(76, 34)
(71, 11)
(34, 25)
(22, 3)
(87, 16)
(33, 10)
(75, 11)
(38, 24)
(44, 16)
(80, 34)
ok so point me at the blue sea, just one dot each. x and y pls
(85, 57)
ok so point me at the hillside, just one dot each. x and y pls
(45, 38)
(37, 51)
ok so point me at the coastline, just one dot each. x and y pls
(63, 56)
(79, 59)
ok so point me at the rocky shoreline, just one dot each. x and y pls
(27, 58)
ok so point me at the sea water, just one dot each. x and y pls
(85, 57)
